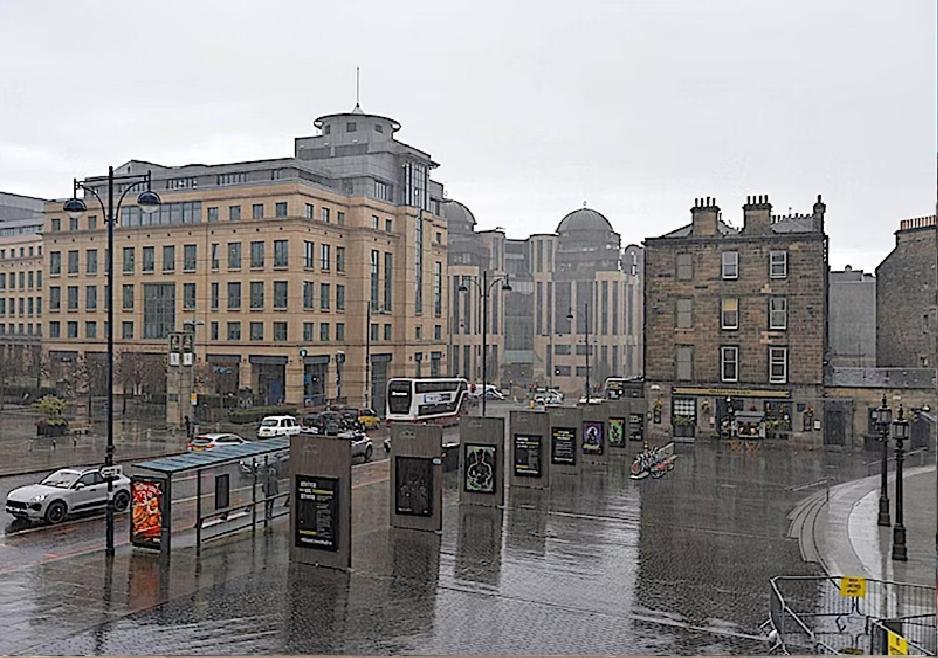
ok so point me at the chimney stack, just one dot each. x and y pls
(757, 215)
(705, 214)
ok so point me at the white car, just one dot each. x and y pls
(67, 491)
(205, 442)
(592, 400)
(273, 426)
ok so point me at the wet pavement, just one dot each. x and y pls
(599, 564)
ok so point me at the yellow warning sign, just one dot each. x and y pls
(898, 645)
(853, 587)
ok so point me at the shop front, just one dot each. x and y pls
(731, 413)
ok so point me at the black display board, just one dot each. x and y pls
(636, 422)
(563, 445)
(617, 432)
(222, 499)
(480, 468)
(413, 486)
(593, 439)
(317, 512)
(527, 455)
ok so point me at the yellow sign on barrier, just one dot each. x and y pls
(898, 645)
(853, 587)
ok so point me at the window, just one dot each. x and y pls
(55, 329)
(188, 296)
(127, 330)
(374, 332)
(214, 330)
(778, 365)
(326, 129)
(351, 126)
(72, 328)
(234, 295)
(56, 224)
(72, 223)
(778, 312)
(234, 331)
(307, 331)
(340, 331)
(215, 295)
(308, 256)
(149, 259)
(375, 255)
(257, 295)
(280, 331)
(212, 215)
(340, 259)
(189, 257)
(778, 264)
(561, 350)
(309, 295)
(280, 210)
(684, 313)
(683, 363)
(91, 329)
(234, 255)
(730, 265)
(231, 179)
(438, 289)
(257, 253)
(92, 222)
(73, 262)
(437, 332)
(323, 331)
(325, 215)
(325, 257)
(729, 313)
(375, 222)
(418, 332)
(281, 253)
(234, 213)
(169, 258)
(339, 297)
(72, 299)
(280, 295)
(127, 297)
(55, 263)
(729, 365)
(324, 296)
(159, 310)
(388, 225)
(256, 330)
(387, 332)
(310, 211)
(340, 218)
(91, 298)
(388, 279)
(216, 256)
(382, 191)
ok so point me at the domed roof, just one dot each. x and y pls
(457, 213)
(584, 219)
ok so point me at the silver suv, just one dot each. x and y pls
(67, 491)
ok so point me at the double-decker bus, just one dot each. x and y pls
(437, 401)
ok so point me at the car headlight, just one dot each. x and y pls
(39, 498)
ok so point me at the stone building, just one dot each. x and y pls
(277, 264)
(906, 317)
(852, 318)
(735, 324)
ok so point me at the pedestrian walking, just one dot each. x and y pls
(188, 428)
(271, 489)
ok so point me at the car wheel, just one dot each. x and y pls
(368, 453)
(121, 501)
(56, 512)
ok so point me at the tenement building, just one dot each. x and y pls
(852, 319)
(735, 325)
(277, 265)
(906, 317)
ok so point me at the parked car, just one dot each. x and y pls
(592, 400)
(369, 419)
(494, 394)
(205, 442)
(553, 399)
(273, 426)
(67, 491)
(362, 446)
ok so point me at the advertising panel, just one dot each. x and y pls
(146, 512)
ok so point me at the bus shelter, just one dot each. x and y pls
(216, 493)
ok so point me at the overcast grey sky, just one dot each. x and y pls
(531, 108)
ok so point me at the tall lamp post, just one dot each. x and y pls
(485, 287)
(883, 420)
(900, 432)
(148, 201)
(586, 315)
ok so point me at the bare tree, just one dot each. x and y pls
(10, 368)
(129, 374)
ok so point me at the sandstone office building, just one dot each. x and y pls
(275, 264)
(735, 325)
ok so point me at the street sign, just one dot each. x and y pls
(194, 399)
(108, 472)
(853, 587)
(897, 645)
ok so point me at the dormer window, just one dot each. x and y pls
(351, 127)
(379, 128)
(326, 129)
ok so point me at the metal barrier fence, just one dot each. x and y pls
(834, 615)
(917, 457)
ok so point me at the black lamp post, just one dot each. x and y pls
(586, 316)
(148, 201)
(883, 420)
(485, 288)
(900, 432)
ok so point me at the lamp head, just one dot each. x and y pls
(149, 201)
(74, 207)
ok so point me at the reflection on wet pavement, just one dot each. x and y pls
(599, 564)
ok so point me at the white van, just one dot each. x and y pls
(273, 426)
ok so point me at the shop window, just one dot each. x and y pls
(684, 417)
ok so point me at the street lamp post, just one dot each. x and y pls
(586, 315)
(148, 201)
(485, 288)
(900, 432)
(883, 420)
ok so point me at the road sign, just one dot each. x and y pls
(108, 472)
(898, 645)
(194, 399)
(853, 587)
